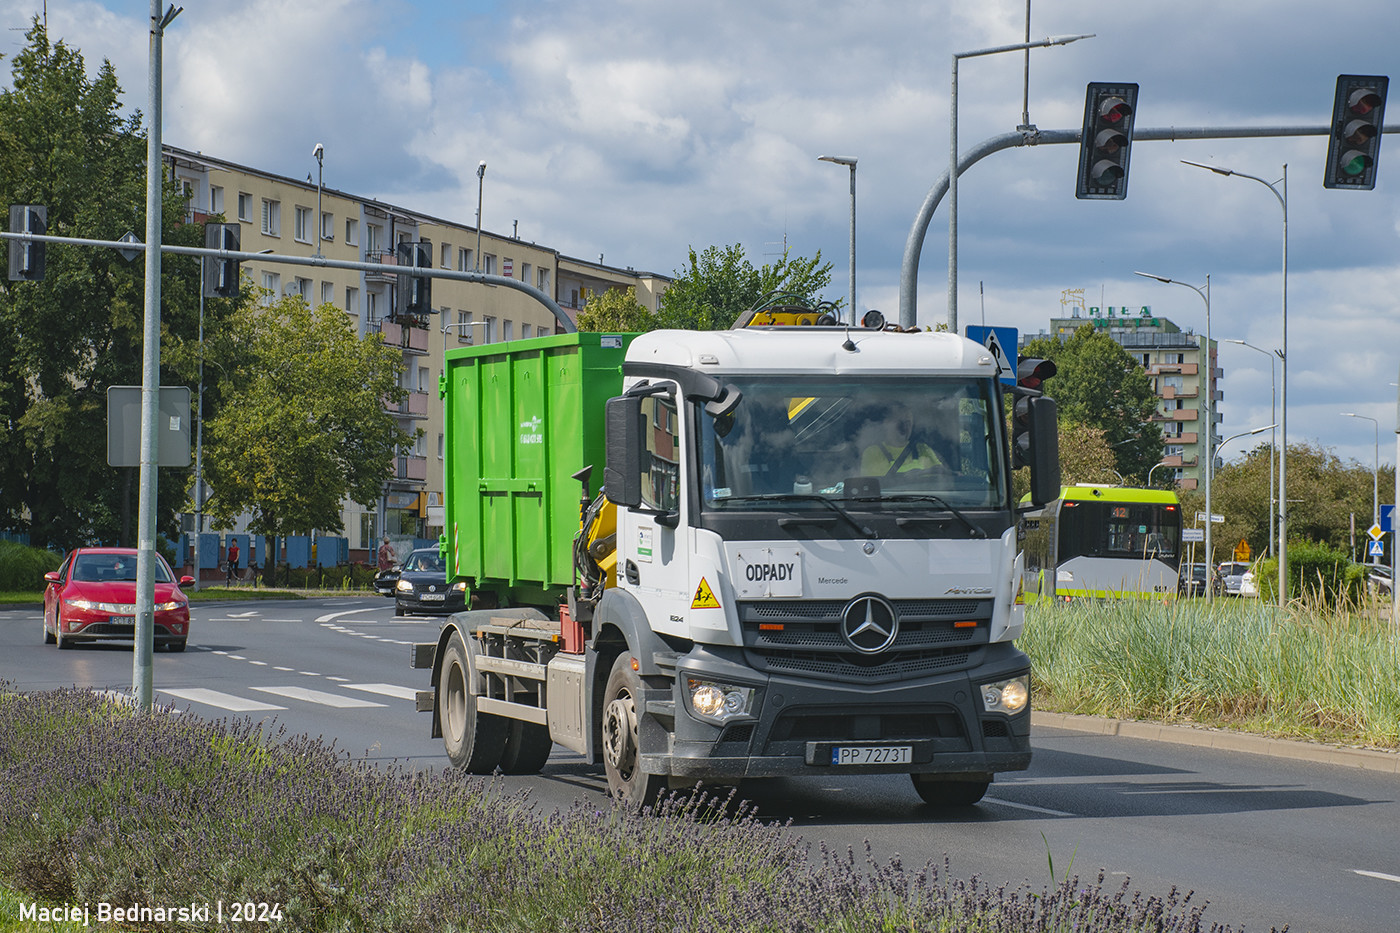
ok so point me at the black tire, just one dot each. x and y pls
(48, 636)
(474, 741)
(527, 748)
(58, 630)
(627, 782)
(398, 607)
(944, 793)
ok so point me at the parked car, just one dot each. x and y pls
(422, 585)
(1378, 579)
(92, 597)
(1192, 580)
(1232, 573)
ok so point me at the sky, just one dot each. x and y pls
(637, 130)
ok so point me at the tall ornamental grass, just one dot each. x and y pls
(1323, 674)
(99, 803)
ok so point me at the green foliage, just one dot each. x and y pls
(720, 284)
(1100, 385)
(64, 143)
(304, 425)
(1319, 574)
(22, 568)
(616, 311)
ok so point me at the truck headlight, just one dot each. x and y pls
(716, 702)
(1007, 696)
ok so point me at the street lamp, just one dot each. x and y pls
(1282, 197)
(480, 183)
(1273, 441)
(1210, 397)
(1221, 446)
(851, 163)
(953, 158)
(318, 152)
(1154, 467)
(1376, 471)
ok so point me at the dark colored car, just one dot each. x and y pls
(92, 597)
(1192, 581)
(386, 580)
(422, 585)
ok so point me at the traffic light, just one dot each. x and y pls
(221, 275)
(27, 256)
(1355, 140)
(1104, 143)
(1031, 374)
(415, 292)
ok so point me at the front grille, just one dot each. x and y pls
(810, 641)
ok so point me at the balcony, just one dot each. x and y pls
(412, 339)
(1180, 414)
(412, 469)
(1169, 392)
(385, 257)
(1171, 369)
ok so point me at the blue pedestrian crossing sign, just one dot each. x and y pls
(1001, 341)
(1376, 549)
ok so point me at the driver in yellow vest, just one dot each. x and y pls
(895, 452)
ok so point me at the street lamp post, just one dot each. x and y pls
(480, 183)
(1376, 470)
(1282, 197)
(1273, 440)
(1210, 400)
(953, 158)
(318, 152)
(850, 163)
(1154, 468)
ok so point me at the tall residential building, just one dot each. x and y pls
(1182, 374)
(278, 214)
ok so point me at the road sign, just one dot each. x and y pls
(1242, 550)
(1376, 532)
(1189, 535)
(1215, 517)
(1387, 518)
(1001, 341)
(1375, 549)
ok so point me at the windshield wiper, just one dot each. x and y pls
(927, 497)
(804, 497)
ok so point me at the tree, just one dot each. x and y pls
(1099, 384)
(616, 310)
(304, 425)
(1085, 457)
(720, 284)
(64, 144)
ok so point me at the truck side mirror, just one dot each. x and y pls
(1045, 447)
(622, 473)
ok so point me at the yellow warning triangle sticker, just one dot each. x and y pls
(704, 597)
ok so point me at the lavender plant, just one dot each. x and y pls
(101, 803)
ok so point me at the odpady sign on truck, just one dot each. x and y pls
(803, 560)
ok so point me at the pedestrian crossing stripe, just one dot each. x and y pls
(704, 597)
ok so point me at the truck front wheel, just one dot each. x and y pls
(474, 740)
(940, 792)
(627, 782)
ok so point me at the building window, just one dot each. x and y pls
(245, 207)
(216, 199)
(352, 300)
(488, 263)
(271, 217)
(507, 330)
(352, 231)
(526, 270)
(446, 261)
(327, 226)
(302, 287)
(464, 260)
(273, 283)
(372, 307)
(302, 231)
(441, 446)
(464, 330)
(544, 281)
(489, 331)
(327, 293)
(374, 236)
(524, 331)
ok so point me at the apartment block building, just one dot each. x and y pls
(1182, 369)
(290, 216)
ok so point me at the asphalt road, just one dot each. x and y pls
(1267, 840)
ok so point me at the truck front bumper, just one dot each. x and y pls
(795, 724)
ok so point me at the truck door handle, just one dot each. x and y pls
(634, 577)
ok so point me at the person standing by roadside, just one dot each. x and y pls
(386, 555)
(232, 559)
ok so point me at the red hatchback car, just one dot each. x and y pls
(92, 597)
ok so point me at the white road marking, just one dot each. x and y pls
(388, 690)
(317, 696)
(338, 679)
(259, 663)
(222, 700)
(237, 657)
(243, 615)
(1026, 806)
(284, 668)
(309, 673)
(331, 616)
(1377, 874)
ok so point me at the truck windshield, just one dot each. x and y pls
(913, 443)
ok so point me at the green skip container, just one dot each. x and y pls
(520, 419)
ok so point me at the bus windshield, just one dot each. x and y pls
(1126, 530)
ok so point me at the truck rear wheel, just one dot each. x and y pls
(627, 782)
(938, 792)
(527, 748)
(474, 740)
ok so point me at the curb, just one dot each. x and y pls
(1368, 759)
